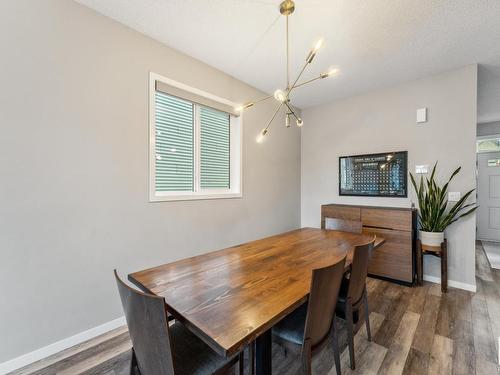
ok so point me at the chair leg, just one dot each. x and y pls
(251, 357)
(306, 357)
(335, 347)
(241, 362)
(134, 370)
(350, 333)
(367, 317)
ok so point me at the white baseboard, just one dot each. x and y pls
(492, 251)
(452, 283)
(58, 346)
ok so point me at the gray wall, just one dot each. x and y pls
(488, 128)
(385, 120)
(74, 169)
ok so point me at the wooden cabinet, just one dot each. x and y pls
(395, 259)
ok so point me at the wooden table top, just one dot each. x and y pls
(229, 297)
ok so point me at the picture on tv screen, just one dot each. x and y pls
(374, 175)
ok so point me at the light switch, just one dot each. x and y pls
(421, 115)
(453, 196)
(421, 169)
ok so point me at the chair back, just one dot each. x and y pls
(325, 286)
(353, 226)
(148, 329)
(359, 270)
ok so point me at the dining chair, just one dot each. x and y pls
(160, 348)
(353, 296)
(344, 225)
(311, 326)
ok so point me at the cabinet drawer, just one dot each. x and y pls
(390, 219)
(341, 212)
(394, 259)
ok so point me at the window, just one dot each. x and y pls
(488, 144)
(195, 144)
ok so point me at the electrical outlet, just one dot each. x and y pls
(453, 196)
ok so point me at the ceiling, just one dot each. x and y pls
(374, 43)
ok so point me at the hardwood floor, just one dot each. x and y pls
(415, 331)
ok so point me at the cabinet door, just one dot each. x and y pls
(394, 258)
(390, 219)
(339, 212)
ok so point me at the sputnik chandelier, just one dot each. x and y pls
(287, 7)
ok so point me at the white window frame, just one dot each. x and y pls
(235, 155)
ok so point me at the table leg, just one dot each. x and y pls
(263, 354)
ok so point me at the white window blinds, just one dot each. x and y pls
(214, 149)
(174, 143)
(192, 145)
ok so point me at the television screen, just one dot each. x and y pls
(374, 175)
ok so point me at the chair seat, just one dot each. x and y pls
(191, 355)
(292, 327)
(340, 309)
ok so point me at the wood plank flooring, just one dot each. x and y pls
(415, 331)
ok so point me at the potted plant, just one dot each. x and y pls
(434, 214)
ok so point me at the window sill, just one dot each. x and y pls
(194, 196)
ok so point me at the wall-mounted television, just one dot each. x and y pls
(374, 175)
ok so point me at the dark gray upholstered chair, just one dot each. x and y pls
(310, 327)
(353, 226)
(163, 349)
(353, 296)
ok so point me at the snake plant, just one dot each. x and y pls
(434, 215)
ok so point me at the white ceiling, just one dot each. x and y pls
(375, 43)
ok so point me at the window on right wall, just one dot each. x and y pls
(488, 145)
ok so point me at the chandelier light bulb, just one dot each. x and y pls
(332, 72)
(314, 50)
(243, 107)
(318, 45)
(287, 120)
(329, 73)
(300, 122)
(261, 135)
(280, 96)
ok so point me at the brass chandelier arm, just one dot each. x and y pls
(289, 90)
(297, 79)
(292, 111)
(262, 99)
(251, 104)
(321, 76)
(274, 115)
(308, 81)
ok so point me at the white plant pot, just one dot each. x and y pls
(431, 238)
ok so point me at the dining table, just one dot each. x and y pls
(231, 298)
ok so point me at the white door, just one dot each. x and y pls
(488, 196)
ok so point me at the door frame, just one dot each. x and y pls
(478, 138)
